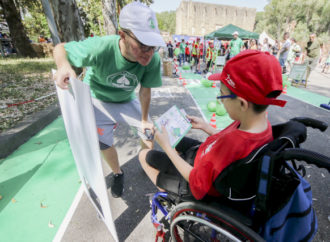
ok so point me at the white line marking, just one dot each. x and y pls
(68, 216)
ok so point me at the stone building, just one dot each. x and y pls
(198, 19)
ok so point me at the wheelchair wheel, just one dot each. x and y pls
(192, 221)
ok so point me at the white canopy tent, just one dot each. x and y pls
(264, 35)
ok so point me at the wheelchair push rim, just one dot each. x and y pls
(194, 222)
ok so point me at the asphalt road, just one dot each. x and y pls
(132, 212)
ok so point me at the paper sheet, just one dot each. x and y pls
(176, 124)
(79, 120)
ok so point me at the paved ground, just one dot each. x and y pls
(132, 213)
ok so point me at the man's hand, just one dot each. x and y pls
(163, 139)
(147, 125)
(64, 69)
(63, 75)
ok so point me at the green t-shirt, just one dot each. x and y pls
(235, 46)
(182, 48)
(110, 76)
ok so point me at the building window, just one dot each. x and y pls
(236, 13)
(192, 30)
(195, 9)
(205, 9)
(246, 14)
(216, 11)
(226, 12)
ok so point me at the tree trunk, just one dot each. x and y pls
(67, 20)
(16, 28)
(51, 22)
(109, 16)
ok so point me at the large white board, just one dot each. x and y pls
(79, 120)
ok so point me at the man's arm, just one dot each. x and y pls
(64, 69)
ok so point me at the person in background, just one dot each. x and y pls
(275, 48)
(326, 65)
(187, 52)
(236, 45)
(312, 54)
(284, 51)
(210, 53)
(170, 49)
(182, 52)
(253, 45)
(195, 54)
(294, 52)
(265, 46)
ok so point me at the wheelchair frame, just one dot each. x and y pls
(217, 220)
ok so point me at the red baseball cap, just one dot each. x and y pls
(253, 75)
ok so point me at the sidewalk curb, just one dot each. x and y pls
(11, 139)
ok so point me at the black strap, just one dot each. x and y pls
(263, 188)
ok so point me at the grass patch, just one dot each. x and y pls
(24, 79)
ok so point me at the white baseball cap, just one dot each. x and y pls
(141, 20)
(235, 33)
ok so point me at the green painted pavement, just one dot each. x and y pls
(307, 96)
(40, 172)
(203, 95)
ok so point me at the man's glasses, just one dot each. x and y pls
(143, 48)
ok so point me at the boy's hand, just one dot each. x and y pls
(197, 123)
(162, 138)
(63, 75)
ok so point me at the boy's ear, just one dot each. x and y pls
(244, 105)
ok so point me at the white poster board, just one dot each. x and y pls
(79, 121)
(298, 72)
(220, 60)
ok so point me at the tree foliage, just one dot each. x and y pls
(299, 17)
(166, 21)
(34, 20)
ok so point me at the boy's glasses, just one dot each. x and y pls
(226, 96)
(143, 48)
(219, 98)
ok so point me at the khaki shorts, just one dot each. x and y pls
(109, 115)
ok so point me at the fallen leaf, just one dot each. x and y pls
(130, 188)
(0, 197)
(308, 176)
(322, 175)
(314, 199)
(50, 225)
(38, 143)
(42, 206)
(137, 210)
(13, 200)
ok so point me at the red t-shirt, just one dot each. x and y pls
(219, 151)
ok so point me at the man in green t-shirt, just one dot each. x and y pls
(182, 52)
(116, 65)
(235, 45)
(312, 54)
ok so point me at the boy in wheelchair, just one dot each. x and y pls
(249, 191)
(249, 83)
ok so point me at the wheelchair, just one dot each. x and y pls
(252, 193)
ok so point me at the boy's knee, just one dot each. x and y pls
(143, 154)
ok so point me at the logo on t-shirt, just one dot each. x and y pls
(123, 80)
(208, 148)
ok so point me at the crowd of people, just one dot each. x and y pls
(287, 51)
